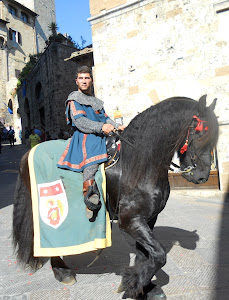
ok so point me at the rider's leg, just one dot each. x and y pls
(90, 190)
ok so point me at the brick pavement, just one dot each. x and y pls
(194, 230)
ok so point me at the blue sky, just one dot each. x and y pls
(71, 17)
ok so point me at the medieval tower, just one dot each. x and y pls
(24, 28)
(46, 15)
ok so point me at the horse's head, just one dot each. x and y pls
(195, 153)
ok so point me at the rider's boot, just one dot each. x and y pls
(91, 199)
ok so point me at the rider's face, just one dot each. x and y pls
(84, 82)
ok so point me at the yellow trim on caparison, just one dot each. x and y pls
(34, 198)
(108, 224)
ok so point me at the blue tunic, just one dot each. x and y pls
(83, 149)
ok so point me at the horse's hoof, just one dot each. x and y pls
(70, 280)
(161, 296)
(64, 276)
(39, 265)
(156, 294)
(120, 288)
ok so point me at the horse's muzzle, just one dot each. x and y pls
(191, 177)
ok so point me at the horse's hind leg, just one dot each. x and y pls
(136, 280)
(62, 272)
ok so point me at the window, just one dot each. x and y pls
(38, 91)
(12, 10)
(15, 36)
(2, 42)
(24, 17)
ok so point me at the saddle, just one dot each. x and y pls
(113, 145)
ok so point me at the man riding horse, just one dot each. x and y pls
(87, 148)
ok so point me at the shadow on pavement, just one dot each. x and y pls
(168, 237)
(117, 257)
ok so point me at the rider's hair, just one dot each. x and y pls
(84, 69)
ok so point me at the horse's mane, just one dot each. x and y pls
(156, 134)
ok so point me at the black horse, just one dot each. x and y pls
(137, 186)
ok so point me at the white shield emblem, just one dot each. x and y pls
(53, 203)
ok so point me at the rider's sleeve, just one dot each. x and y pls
(87, 126)
(109, 121)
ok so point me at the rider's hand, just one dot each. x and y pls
(121, 127)
(107, 128)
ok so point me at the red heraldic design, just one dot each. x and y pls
(53, 203)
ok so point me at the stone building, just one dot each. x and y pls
(42, 96)
(23, 31)
(149, 50)
(46, 14)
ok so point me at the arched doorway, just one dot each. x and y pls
(10, 106)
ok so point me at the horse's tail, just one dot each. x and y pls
(23, 221)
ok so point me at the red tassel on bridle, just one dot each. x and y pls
(199, 127)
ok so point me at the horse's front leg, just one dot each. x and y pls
(62, 272)
(151, 257)
(141, 254)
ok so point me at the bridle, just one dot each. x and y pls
(189, 145)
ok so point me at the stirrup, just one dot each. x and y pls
(90, 189)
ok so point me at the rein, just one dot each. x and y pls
(122, 138)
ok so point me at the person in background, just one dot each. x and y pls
(11, 134)
(37, 131)
(43, 135)
(5, 133)
(34, 139)
(27, 132)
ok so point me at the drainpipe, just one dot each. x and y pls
(7, 62)
(35, 36)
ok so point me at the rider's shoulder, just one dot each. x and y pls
(73, 95)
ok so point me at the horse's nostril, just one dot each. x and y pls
(201, 180)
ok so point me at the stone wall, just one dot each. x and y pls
(146, 51)
(47, 88)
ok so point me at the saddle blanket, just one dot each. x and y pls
(60, 224)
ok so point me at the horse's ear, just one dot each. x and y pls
(202, 105)
(212, 106)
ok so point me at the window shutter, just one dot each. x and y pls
(19, 38)
(10, 34)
